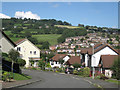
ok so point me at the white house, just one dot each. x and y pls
(106, 62)
(28, 51)
(91, 56)
(6, 43)
(54, 62)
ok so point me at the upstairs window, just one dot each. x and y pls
(30, 52)
(34, 52)
(18, 48)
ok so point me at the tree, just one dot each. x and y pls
(41, 64)
(13, 55)
(32, 62)
(116, 68)
(28, 34)
(45, 45)
(21, 62)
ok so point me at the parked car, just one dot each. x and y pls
(69, 70)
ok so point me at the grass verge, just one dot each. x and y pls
(113, 81)
(18, 76)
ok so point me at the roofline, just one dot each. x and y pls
(30, 42)
(108, 46)
(8, 38)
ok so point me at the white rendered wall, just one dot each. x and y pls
(26, 47)
(5, 45)
(96, 56)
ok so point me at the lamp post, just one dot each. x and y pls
(93, 71)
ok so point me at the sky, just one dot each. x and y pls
(103, 14)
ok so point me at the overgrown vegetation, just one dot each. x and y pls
(116, 68)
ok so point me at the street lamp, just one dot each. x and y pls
(93, 72)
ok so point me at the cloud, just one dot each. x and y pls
(4, 16)
(27, 15)
(56, 5)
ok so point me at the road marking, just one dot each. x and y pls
(88, 81)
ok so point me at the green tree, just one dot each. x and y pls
(41, 64)
(116, 68)
(13, 55)
(21, 62)
(45, 45)
(28, 34)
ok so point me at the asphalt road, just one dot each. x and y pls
(56, 80)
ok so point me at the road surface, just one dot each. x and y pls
(56, 80)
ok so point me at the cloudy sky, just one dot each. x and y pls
(88, 13)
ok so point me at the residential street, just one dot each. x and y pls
(56, 80)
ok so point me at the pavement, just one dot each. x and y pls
(47, 79)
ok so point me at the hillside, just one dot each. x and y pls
(40, 32)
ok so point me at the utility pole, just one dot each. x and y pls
(93, 71)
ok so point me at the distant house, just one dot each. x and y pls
(6, 43)
(91, 56)
(54, 62)
(73, 60)
(106, 62)
(28, 51)
(52, 47)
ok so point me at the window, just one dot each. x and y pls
(34, 52)
(56, 62)
(18, 48)
(52, 63)
(30, 52)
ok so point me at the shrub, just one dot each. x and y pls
(6, 76)
(21, 62)
(75, 72)
(48, 65)
(76, 65)
(97, 77)
(33, 68)
(116, 68)
(60, 70)
(86, 72)
(103, 77)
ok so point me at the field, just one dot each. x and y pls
(65, 26)
(51, 38)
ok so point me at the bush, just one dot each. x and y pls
(21, 62)
(97, 77)
(86, 72)
(103, 77)
(75, 72)
(116, 68)
(6, 76)
(76, 65)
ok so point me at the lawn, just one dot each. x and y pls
(14, 39)
(19, 76)
(51, 38)
(114, 81)
(65, 26)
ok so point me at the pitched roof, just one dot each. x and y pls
(8, 38)
(19, 41)
(57, 57)
(74, 59)
(22, 40)
(97, 48)
(108, 60)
